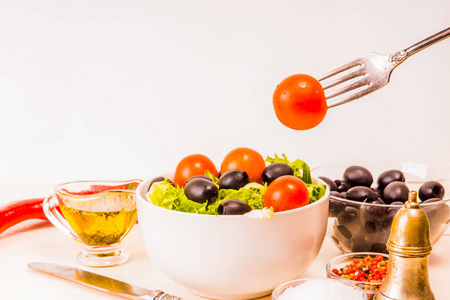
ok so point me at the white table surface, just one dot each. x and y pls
(36, 240)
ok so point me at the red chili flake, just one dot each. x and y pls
(367, 269)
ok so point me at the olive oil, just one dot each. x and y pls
(96, 228)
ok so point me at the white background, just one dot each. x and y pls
(125, 89)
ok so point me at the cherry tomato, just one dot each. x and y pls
(285, 193)
(192, 165)
(247, 160)
(299, 102)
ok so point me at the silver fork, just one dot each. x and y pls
(370, 73)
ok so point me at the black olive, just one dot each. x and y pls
(275, 170)
(358, 176)
(331, 184)
(378, 192)
(343, 186)
(201, 190)
(389, 176)
(378, 240)
(394, 207)
(359, 245)
(336, 194)
(335, 207)
(233, 179)
(397, 203)
(376, 236)
(360, 193)
(395, 191)
(335, 240)
(350, 215)
(348, 222)
(158, 179)
(233, 207)
(374, 200)
(379, 248)
(370, 227)
(375, 211)
(432, 200)
(199, 176)
(344, 231)
(372, 218)
(431, 189)
(341, 239)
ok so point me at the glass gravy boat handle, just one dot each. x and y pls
(50, 207)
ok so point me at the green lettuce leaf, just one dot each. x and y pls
(316, 191)
(164, 194)
(252, 194)
(302, 171)
(300, 168)
(213, 177)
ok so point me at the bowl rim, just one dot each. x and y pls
(350, 255)
(62, 189)
(325, 198)
(354, 202)
(352, 162)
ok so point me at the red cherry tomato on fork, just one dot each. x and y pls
(285, 193)
(299, 102)
(192, 165)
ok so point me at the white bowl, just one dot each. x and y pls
(232, 257)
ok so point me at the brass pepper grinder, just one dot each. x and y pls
(409, 247)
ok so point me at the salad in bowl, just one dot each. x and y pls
(225, 236)
(276, 184)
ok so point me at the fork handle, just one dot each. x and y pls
(400, 56)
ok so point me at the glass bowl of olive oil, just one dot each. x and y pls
(98, 214)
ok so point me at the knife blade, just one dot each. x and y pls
(100, 282)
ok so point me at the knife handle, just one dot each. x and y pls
(167, 297)
(160, 296)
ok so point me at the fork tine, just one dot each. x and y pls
(370, 88)
(354, 63)
(352, 97)
(349, 87)
(348, 98)
(342, 79)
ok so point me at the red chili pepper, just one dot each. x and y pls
(19, 211)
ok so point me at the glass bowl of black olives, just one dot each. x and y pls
(366, 195)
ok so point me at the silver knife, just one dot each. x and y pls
(101, 282)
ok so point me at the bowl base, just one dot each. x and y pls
(103, 256)
(232, 297)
